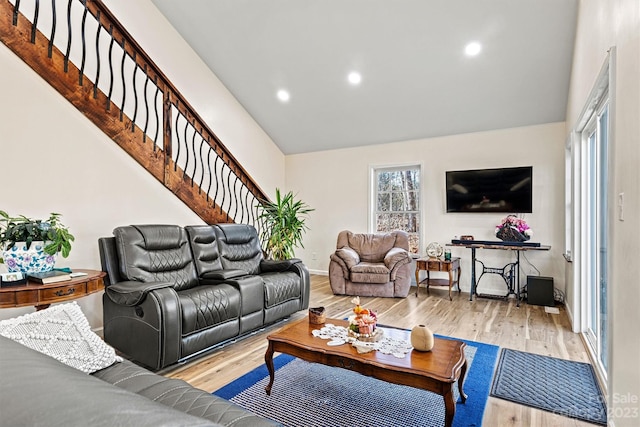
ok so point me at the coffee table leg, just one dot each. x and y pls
(450, 407)
(463, 373)
(268, 359)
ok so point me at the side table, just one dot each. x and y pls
(438, 264)
(42, 296)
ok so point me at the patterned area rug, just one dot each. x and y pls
(555, 385)
(309, 394)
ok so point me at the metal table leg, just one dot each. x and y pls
(473, 274)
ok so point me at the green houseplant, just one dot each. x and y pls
(32, 244)
(283, 225)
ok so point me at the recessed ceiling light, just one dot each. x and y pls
(354, 78)
(283, 95)
(473, 48)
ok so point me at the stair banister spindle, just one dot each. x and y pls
(122, 80)
(157, 116)
(97, 80)
(53, 29)
(135, 93)
(235, 197)
(178, 143)
(84, 42)
(209, 174)
(66, 56)
(34, 26)
(202, 141)
(111, 43)
(146, 105)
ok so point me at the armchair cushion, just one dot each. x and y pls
(132, 293)
(349, 256)
(368, 272)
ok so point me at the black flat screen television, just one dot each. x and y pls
(490, 190)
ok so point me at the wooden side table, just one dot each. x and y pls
(438, 264)
(42, 296)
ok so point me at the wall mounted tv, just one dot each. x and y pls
(490, 190)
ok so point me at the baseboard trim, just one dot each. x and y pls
(593, 359)
(319, 272)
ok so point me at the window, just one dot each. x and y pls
(396, 202)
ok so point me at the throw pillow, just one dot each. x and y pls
(62, 332)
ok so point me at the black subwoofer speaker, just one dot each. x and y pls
(540, 290)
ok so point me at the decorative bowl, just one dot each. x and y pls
(373, 337)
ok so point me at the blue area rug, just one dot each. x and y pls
(310, 394)
(555, 385)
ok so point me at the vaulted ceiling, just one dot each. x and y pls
(416, 81)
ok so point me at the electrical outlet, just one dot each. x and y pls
(621, 207)
(314, 256)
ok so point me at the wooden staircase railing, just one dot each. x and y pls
(81, 49)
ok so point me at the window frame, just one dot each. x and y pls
(373, 197)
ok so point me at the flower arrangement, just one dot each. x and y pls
(512, 228)
(363, 321)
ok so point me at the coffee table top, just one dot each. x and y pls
(443, 362)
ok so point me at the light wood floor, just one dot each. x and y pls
(527, 328)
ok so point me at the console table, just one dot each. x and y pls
(510, 272)
(42, 296)
(438, 264)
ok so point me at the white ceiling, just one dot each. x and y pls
(416, 80)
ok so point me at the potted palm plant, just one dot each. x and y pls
(283, 225)
(31, 245)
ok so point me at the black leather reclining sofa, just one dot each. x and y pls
(173, 292)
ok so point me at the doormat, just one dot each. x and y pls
(551, 384)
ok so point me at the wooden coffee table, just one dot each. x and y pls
(435, 371)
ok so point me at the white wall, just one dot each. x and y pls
(54, 160)
(336, 184)
(600, 26)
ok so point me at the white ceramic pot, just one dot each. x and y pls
(32, 260)
(421, 338)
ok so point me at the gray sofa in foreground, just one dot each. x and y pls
(38, 390)
(174, 292)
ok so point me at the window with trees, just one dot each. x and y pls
(396, 203)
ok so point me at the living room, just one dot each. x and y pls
(75, 170)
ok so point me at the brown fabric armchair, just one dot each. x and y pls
(377, 265)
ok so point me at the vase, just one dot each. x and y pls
(421, 338)
(32, 260)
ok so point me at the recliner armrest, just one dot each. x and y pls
(348, 256)
(396, 257)
(224, 274)
(132, 293)
(273, 266)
